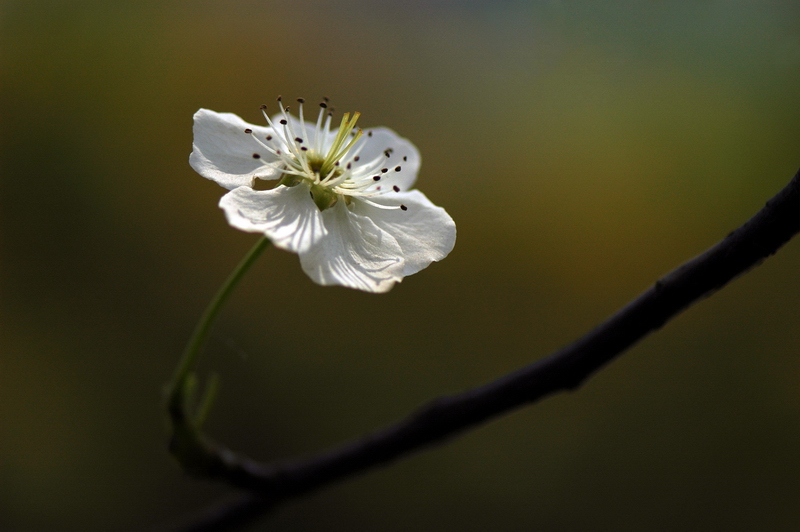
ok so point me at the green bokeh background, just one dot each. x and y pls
(583, 148)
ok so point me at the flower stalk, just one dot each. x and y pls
(183, 383)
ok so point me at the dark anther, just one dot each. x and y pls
(256, 156)
(349, 166)
(280, 98)
(323, 105)
(277, 152)
(356, 158)
(369, 133)
(248, 130)
(287, 109)
(336, 163)
(326, 99)
(298, 139)
(387, 153)
(403, 208)
(303, 148)
(268, 137)
(384, 170)
(376, 178)
(263, 107)
(397, 168)
(396, 188)
(405, 158)
(283, 122)
(301, 100)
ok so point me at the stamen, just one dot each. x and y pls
(354, 184)
(333, 182)
(284, 169)
(283, 141)
(397, 168)
(370, 167)
(327, 128)
(256, 156)
(287, 160)
(317, 128)
(301, 101)
(271, 125)
(288, 132)
(385, 207)
(396, 188)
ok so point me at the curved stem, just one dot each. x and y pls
(565, 369)
(178, 386)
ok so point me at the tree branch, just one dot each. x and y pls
(565, 369)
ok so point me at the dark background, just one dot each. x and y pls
(583, 148)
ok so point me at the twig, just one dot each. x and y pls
(565, 369)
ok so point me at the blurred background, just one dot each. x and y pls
(584, 150)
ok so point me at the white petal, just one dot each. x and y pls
(356, 253)
(286, 215)
(425, 232)
(223, 152)
(404, 154)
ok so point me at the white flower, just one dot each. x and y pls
(343, 200)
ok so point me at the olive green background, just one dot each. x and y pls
(583, 148)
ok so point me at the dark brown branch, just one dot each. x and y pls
(566, 369)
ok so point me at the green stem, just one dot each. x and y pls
(177, 391)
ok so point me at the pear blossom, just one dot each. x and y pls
(343, 198)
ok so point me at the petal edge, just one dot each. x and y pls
(286, 215)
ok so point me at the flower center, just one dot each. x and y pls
(330, 168)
